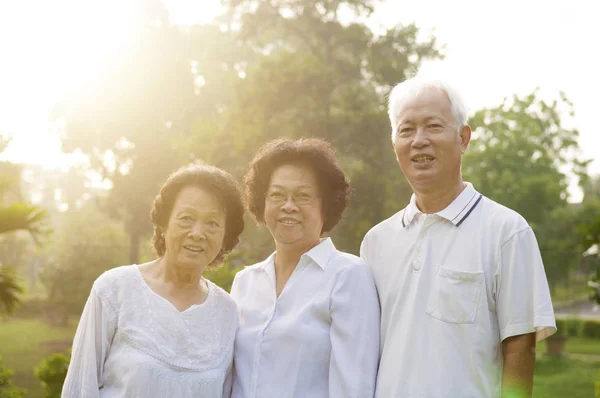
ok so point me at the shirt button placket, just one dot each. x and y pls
(419, 257)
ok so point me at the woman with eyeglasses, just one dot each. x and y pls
(309, 314)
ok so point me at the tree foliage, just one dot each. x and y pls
(15, 215)
(519, 156)
(304, 73)
(7, 387)
(86, 245)
(125, 122)
(52, 371)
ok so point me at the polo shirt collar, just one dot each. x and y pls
(456, 212)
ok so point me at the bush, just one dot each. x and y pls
(576, 327)
(591, 329)
(7, 388)
(570, 326)
(223, 277)
(52, 371)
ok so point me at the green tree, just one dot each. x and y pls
(519, 155)
(127, 120)
(305, 73)
(15, 215)
(86, 245)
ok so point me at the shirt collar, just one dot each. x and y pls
(456, 212)
(320, 255)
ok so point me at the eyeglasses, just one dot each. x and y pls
(299, 198)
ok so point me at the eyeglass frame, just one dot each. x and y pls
(294, 196)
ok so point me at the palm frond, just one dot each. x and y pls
(24, 216)
(9, 290)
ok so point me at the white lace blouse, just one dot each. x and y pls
(131, 342)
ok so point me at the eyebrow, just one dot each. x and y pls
(299, 187)
(427, 119)
(195, 210)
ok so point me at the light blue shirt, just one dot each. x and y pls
(319, 338)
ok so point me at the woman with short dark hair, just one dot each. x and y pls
(161, 329)
(309, 314)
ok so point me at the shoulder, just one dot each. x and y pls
(499, 218)
(112, 284)
(250, 270)
(348, 265)
(221, 296)
(225, 304)
(391, 224)
(387, 230)
(116, 278)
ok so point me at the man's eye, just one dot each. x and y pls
(186, 218)
(213, 223)
(276, 195)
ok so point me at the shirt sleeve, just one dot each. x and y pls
(228, 382)
(354, 334)
(523, 302)
(90, 347)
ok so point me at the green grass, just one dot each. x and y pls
(24, 342)
(562, 377)
(575, 345)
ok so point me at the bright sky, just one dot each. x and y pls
(493, 50)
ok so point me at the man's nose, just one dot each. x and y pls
(421, 137)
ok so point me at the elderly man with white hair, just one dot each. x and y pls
(460, 278)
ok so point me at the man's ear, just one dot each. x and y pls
(465, 137)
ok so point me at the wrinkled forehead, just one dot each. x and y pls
(427, 103)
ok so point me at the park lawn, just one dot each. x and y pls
(562, 377)
(24, 342)
(575, 345)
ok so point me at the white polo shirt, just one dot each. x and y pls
(452, 285)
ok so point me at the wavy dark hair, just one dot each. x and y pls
(213, 180)
(319, 156)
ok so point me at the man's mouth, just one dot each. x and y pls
(422, 158)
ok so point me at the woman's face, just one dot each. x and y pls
(196, 228)
(293, 208)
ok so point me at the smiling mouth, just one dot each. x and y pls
(288, 221)
(194, 249)
(422, 159)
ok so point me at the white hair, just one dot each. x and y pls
(414, 86)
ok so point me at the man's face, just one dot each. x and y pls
(428, 142)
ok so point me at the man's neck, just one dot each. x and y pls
(431, 201)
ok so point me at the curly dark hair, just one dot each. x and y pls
(319, 156)
(215, 181)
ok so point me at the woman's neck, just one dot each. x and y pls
(286, 260)
(179, 277)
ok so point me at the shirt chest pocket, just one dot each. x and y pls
(455, 295)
